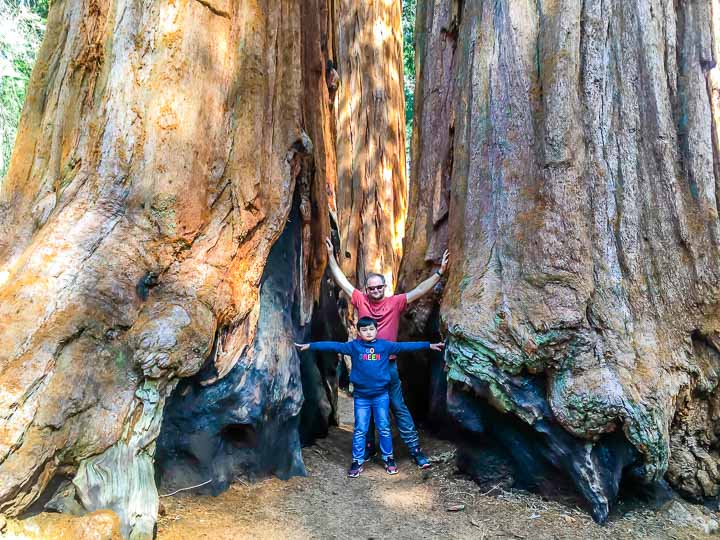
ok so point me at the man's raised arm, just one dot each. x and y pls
(336, 272)
(426, 286)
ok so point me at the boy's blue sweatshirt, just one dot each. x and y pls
(370, 373)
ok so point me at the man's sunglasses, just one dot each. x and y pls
(376, 288)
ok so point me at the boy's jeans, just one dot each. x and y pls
(403, 418)
(379, 407)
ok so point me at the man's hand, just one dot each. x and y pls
(426, 286)
(444, 263)
(302, 346)
(329, 246)
(437, 346)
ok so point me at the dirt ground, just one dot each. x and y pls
(414, 504)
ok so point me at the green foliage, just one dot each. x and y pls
(408, 30)
(22, 26)
(38, 7)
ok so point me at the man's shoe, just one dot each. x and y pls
(355, 469)
(420, 459)
(390, 466)
(370, 451)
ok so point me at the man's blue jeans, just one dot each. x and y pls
(403, 418)
(379, 408)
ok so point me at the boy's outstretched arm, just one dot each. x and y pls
(342, 347)
(336, 272)
(409, 346)
(426, 286)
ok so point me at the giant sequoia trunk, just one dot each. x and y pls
(372, 184)
(163, 219)
(159, 154)
(567, 152)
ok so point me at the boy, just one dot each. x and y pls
(370, 376)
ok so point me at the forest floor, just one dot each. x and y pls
(414, 504)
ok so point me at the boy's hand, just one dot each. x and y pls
(437, 346)
(329, 246)
(302, 346)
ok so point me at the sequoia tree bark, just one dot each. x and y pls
(372, 181)
(159, 154)
(571, 147)
(163, 218)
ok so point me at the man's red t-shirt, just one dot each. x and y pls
(386, 312)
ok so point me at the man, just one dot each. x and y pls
(386, 311)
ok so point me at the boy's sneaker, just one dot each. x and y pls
(420, 459)
(355, 469)
(390, 466)
(370, 451)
